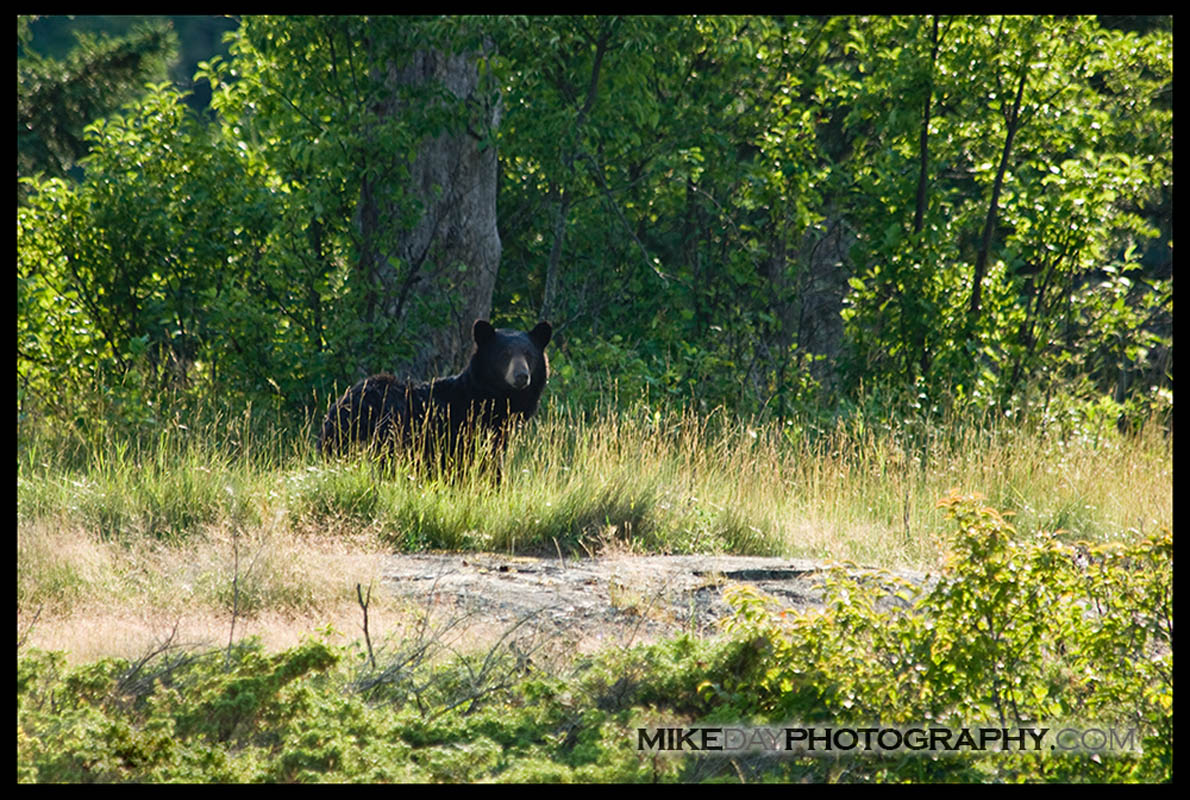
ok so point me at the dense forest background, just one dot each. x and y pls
(775, 215)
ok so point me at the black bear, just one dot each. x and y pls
(501, 385)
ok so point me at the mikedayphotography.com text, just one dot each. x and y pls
(926, 739)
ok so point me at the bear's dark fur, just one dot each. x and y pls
(501, 385)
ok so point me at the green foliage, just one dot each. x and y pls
(116, 721)
(1062, 239)
(1011, 633)
(775, 215)
(58, 98)
(220, 260)
(126, 282)
(671, 178)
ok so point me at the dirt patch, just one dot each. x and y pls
(461, 601)
(599, 600)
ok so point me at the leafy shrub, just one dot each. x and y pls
(1011, 633)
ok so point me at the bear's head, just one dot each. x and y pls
(508, 361)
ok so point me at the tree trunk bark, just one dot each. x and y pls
(1013, 120)
(919, 213)
(447, 261)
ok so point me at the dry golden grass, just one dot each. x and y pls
(97, 598)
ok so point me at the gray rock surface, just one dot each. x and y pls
(618, 597)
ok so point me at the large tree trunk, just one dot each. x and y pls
(448, 260)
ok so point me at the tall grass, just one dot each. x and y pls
(641, 480)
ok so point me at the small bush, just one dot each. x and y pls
(1011, 633)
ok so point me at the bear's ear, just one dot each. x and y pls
(482, 331)
(540, 335)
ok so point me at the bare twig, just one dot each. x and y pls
(235, 593)
(363, 604)
(24, 637)
(136, 680)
